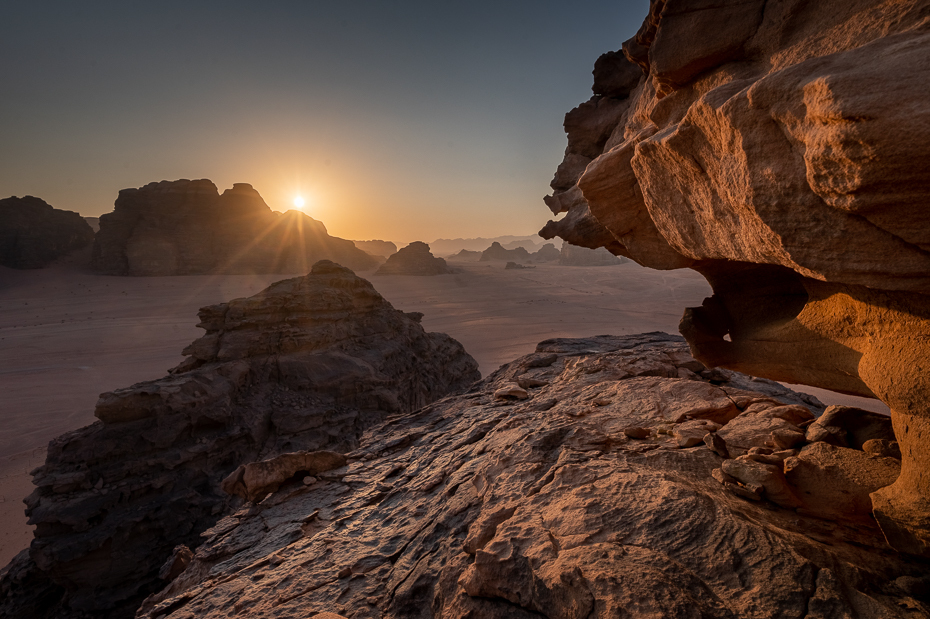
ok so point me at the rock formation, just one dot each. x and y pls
(187, 228)
(414, 259)
(466, 255)
(497, 252)
(377, 248)
(303, 366)
(32, 233)
(526, 497)
(780, 150)
(575, 256)
(546, 253)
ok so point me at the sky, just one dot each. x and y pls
(401, 120)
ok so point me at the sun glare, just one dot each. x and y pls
(299, 202)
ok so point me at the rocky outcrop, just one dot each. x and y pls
(516, 266)
(187, 228)
(414, 259)
(304, 366)
(546, 253)
(574, 256)
(778, 149)
(377, 248)
(527, 497)
(33, 234)
(497, 252)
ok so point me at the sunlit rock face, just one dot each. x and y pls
(33, 234)
(781, 150)
(186, 227)
(305, 365)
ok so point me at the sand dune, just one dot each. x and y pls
(66, 335)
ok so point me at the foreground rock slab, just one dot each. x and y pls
(303, 366)
(487, 506)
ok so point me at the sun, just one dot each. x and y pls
(299, 202)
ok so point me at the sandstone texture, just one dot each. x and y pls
(780, 149)
(377, 248)
(33, 234)
(574, 256)
(558, 487)
(498, 252)
(414, 259)
(301, 368)
(187, 228)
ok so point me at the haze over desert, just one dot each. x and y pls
(497, 310)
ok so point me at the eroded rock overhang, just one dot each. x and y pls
(781, 150)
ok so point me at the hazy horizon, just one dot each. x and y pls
(404, 121)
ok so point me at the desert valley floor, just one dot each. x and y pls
(66, 335)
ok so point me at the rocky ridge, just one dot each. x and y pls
(186, 227)
(583, 480)
(305, 365)
(414, 259)
(33, 233)
(575, 256)
(778, 149)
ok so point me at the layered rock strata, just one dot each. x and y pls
(33, 233)
(414, 259)
(305, 365)
(526, 497)
(186, 228)
(780, 150)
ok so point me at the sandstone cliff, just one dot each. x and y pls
(573, 482)
(186, 228)
(305, 365)
(414, 259)
(32, 233)
(780, 149)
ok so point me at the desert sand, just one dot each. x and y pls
(67, 335)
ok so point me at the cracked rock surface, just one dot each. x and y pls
(487, 505)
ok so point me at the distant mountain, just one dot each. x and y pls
(186, 227)
(377, 247)
(447, 247)
(33, 234)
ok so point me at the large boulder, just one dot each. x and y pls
(779, 150)
(187, 228)
(414, 259)
(513, 501)
(306, 365)
(33, 234)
